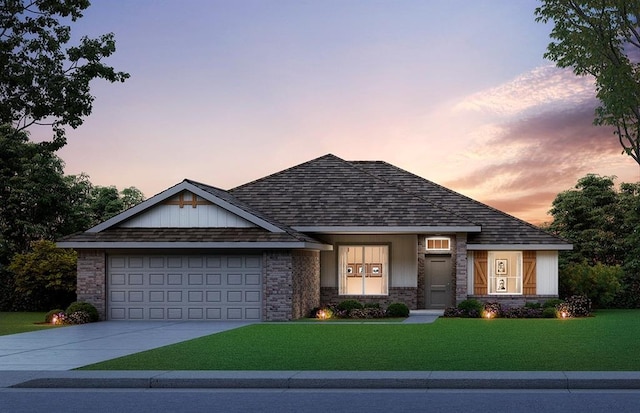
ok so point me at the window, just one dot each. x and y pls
(363, 269)
(438, 244)
(505, 272)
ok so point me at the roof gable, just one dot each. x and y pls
(329, 193)
(166, 210)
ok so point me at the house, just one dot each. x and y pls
(322, 231)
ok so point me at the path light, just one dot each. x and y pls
(323, 314)
(54, 319)
(488, 314)
(564, 314)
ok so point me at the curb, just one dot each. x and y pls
(327, 380)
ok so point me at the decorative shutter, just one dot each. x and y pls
(480, 285)
(529, 272)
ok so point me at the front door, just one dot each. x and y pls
(438, 285)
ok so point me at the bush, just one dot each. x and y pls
(552, 303)
(599, 282)
(492, 310)
(529, 304)
(471, 308)
(578, 306)
(522, 312)
(371, 305)
(397, 310)
(454, 312)
(49, 316)
(369, 312)
(348, 305)
(78, 317)
(86, 307)
(549, 312)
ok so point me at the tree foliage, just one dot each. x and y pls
(42, 81)
(45, 277)
(601, 38)
(603, 223)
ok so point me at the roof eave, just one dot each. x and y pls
(386, 229)
(194, 245)
(523, 247)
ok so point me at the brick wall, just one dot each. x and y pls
(407, 295)
(460, 260)
(278, 286)
(306, 282)
(91, 279)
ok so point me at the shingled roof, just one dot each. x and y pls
(331, 192)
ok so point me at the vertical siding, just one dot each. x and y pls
(404, 258)
(547, 273)
(529, 269)
(172, 216)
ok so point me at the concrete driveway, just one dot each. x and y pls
(76, 346)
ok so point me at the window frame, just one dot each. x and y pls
(437, 250)
(342, 273)
(512, 272)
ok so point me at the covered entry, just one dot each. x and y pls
(438, 271)
(184, 287)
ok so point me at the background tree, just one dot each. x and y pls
(604, 226)
(601, 38)
(41, 81)
(45, 277)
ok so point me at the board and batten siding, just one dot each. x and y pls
(185, 212)
(541, 265)
(403, 257)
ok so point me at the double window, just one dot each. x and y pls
(363, 269)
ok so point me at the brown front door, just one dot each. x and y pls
(438, 285)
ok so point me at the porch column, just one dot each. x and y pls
(461, 267)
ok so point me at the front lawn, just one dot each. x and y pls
(13, 323)
(608, 341)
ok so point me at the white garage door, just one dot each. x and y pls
(184, 287)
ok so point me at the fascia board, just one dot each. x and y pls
(194, 245)
(519, 247)
(387, 230)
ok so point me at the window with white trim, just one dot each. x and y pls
(363, 269)
(505, 272)
(438, 244)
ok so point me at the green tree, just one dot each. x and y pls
(601, 38)
(42, 81)
(604, 226)
(45, 277)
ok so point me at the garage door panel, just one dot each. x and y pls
(180, 287)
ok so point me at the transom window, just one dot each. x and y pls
(505, 272)
(438, 244)
(363, 269)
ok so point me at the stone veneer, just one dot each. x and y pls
(460, 260)
(407, 295)
(91, 279)
(306, 282)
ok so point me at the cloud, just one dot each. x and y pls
(538, 90)
(543, 141)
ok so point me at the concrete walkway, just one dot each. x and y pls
(71, 347)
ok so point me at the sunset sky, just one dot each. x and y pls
(456, 91)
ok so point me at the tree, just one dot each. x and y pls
(45, 277)
(41, 82)
(601, 38)
(604, 226)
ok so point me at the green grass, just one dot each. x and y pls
(608, 341)
(13, 323)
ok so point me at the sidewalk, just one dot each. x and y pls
(322, 380)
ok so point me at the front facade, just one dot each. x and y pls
(320, 232)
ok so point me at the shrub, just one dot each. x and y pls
(367, 313)
(549, 312)
(397, 310)
(529, 304)
(86, 307)
(78, 317)
(552, 303)
(599, 282)
(371, 305)
(471, 308)
(578, 306)
(453, 312)
(492, 310)
(522, 312)
(49, 316)
(348, 305)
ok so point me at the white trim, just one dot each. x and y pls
(182, 186)
(519, 247)
(183, 245)
(386, 230)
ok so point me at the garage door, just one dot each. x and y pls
(184, 287)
